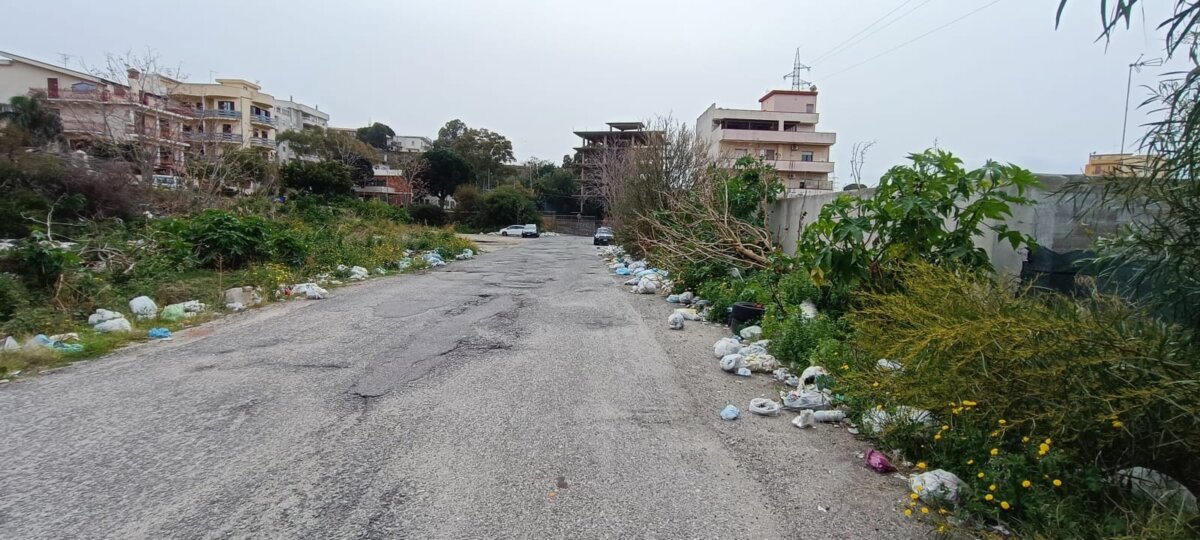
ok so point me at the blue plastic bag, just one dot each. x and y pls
(159, 333)
(730, 413)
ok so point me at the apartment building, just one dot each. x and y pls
(409, 143)
(600, 146)
(1117, 164)
(226, 115)
(291, 115)
(96, 111)
(388, 184)
(783, 131)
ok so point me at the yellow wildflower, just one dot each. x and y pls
(980, 476)
(988, 497)
(1003, 422)
(969, 403)
(874, 385)
(921, 465)
(1048, 441)
(1005, 505)
(879, 407)
(1026, 484)
(943, 511)
(992, 487)
(970, 462)
(919, 487)
(1057, 483)
(1024, 439)
(1118, 424)
(845, 366)
(1043, 448)
(924, 510)
(995, 451)
(941, 528)
(937, 436)
(913, 496)
(956, 410)
(945, 427)
(908, 512)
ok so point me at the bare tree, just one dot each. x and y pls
(858, 157)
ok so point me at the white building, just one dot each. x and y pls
(409, 143)
(293, 116)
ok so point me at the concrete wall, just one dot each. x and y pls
(1051, 220)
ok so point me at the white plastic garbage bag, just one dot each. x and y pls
(688, 314)
(808, 309)
(752, 349)
(465, 254)
(1157, 487)
(751, 333)
(781, 374)
(10, 344)
(764, 407)
(312, 291)
(888, 365)
(804, 420)
(114, 325)
(733, 362)
(810, 374)
(686, 297)
(358, 273)
(726, 346)
(143, 307)
(645, 286)
(675, 321)
(102, 315)
(935, 486)
(832, 416)
(798, 400)
(762, 363)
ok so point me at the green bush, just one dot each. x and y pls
(13, 296)
(41, 263)
(428, 214)
(326, 177)
(505, 206)
(794, 338)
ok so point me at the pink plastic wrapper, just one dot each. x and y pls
(878, 462)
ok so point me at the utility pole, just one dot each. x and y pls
(1136, 65)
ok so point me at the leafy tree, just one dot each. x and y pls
(376, 135)
(466, 201)
(443, 171)
(325, 177)
(486, 151)
(929, 211)
(329, 144)
(506, 205)
(428, 214)
(556, 187)
(32, 117)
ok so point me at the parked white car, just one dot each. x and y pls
(512, 230)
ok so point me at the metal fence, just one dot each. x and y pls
(571, 224)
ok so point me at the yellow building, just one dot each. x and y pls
(227, 114)
(1116, 164)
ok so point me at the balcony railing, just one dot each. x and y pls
(217, 113)
(213, 137)
(82, 95)
(262, 141)
(797, 185)
(262, 119)
(815, 138)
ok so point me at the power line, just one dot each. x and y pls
(868, 27)
(893, 49)
(836, 50)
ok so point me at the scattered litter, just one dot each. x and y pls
(751, 333)
(672, 298)
(623, 271)
(143, 307)
(888, 365)
(813, 400)
(752, 349)
(404, 264)
(434, 260)
(379, 270)
(159, 333)
(726, 346)
(675, 321)
(689, 314)
(804, 420)
(878, 462)
(182, 310)
(646, 286)
(730, 413)
(312, 291)
(102, 315)
(808, 310)
(686, 298)
(358, 273)
(1157, 487)
(10, 344)
(236, 306)
(41, 341)
(764, 407)
(831, 416)
(114, 325)
(810, 374)
(733, 362)
(781, 374)
(245, 296)
(466, 253)
(744, 372)
(853, 430)
(762, 363)
(877, 420)
(935, 486)
(822, 508)
(69, 336)
(792, 381)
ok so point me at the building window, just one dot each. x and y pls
(226, 128)
(739, 152)
(768, 153)
(806, 156)
(225, 105)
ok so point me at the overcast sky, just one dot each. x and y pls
(1002, 83)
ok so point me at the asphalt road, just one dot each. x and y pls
(523, 394)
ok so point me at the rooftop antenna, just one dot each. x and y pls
(798, 81)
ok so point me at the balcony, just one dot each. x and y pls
(814, 138)
(74, 95)
(217, 113)
(790, 165)
(262, 141)
(262, 119)
(799, 186)
(213, 137)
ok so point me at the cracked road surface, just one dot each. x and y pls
(518, 395)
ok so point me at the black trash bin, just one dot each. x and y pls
(744, 312)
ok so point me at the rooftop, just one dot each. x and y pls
(788, 93)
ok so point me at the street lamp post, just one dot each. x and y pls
(1136, 65)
